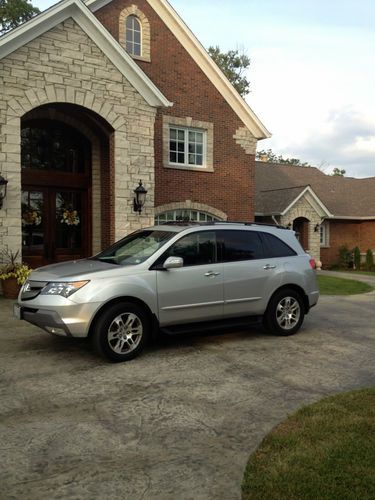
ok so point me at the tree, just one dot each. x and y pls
(338, 172)
(233, 64)
(269, 156)
(15, 12)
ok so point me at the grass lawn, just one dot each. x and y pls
(325, 451)
(328, 285)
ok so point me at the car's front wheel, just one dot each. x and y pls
(121, 332)
(285, 313)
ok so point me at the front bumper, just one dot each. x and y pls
(68, 321)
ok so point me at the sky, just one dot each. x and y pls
(312, 72)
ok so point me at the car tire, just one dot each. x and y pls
(121, 332)
(285, 313)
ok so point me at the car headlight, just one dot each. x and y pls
(65, 289)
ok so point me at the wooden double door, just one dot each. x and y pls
(56, 192)
(54, 225)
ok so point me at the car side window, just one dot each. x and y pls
(274, 247)
(196, 249)
(241, 245)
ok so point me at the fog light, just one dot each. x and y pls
(56, 331)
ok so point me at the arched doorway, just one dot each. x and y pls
(301, 227)
(56, 176)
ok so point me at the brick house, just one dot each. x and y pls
(97, 96)
(327, 211)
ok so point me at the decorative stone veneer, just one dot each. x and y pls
(303, 209)
(246, 140)
(133, 10)
(64, 65)
(191, 205)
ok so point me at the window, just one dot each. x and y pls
(50, 145)
(241, 245)
(135, 248)
(133, 36)
(184, 215)
(186, 146)
(196, 249)
(324, 234)
(274, 247)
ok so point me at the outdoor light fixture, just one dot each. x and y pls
(139, 198)
(289, 226)
(3, 189)
(316, 228)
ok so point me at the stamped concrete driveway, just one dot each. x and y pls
(177, 423)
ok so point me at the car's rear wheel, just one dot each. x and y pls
(285, 313)
(121, 332)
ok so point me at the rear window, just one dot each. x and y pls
(241, 245)
(274, 247)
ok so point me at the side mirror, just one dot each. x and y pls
(173, 263)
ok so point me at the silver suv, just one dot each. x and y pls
(174, 278)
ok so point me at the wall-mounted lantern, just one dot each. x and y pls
(139, 198)
(316, 228)
(3, 190)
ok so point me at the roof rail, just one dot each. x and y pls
(210, 223)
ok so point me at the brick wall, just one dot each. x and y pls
(230, 187)
(351, 234)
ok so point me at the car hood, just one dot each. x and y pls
(71, 269)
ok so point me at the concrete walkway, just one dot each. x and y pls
(350, 276)
(179, 422)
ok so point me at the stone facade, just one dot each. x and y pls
(65, 66)
(303, 209)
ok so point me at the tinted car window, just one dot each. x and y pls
(241, 245)
(274, 247)
(196, 249)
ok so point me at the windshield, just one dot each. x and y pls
(135, 248)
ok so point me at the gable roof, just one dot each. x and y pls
(76, 10)
(343, 197)
(199, 54)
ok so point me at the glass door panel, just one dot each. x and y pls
(33, 212)
(69, 224)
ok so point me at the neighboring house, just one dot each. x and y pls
(327, 211)
(97, 96)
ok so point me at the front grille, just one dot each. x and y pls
(32, 289)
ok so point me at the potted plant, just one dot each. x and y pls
(13, 274)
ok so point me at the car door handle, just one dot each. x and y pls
(211, 273)
(269, 266)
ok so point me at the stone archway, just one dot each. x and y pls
(65, 170)
(301, 227)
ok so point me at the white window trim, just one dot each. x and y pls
(133, 31)
(186, 131)
(324, 231)
(189, 124)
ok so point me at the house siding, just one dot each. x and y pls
(230, 187)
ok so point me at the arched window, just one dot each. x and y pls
(184, 215)
(133, 36)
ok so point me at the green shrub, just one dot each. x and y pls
(357, 258)
(369, 260)
(345, 257)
